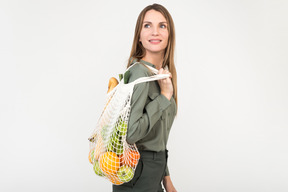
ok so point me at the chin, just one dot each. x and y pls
(155, 50)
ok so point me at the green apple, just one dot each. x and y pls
(122, 128)
(92, 156)
(118, 147)
(97, 169)
(115, 145)
(125, 173)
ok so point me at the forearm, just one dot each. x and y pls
(168, 185)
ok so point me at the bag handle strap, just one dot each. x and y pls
(155, 71)
(150, 78)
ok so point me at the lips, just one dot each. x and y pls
(155, 41)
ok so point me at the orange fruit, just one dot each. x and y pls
(130, 158)
(109, 163)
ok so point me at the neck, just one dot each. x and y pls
(155, 59)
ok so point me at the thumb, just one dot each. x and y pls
(160, 71)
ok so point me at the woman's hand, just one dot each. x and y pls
(168, 185)
(166, 85)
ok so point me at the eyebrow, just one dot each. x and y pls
(151, 22)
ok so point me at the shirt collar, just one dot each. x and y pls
(147, 63)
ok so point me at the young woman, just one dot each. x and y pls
(154, 104)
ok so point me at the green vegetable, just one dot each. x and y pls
(120, 77)
(126, 77)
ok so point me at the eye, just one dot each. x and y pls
(146, 25)
(163, 26)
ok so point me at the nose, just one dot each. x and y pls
(155, 31)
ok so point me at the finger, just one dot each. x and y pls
(167, 72)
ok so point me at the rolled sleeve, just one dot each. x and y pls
(167, 171)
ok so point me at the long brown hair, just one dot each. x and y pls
(138, 51)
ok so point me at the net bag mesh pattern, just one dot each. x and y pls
(110, 154)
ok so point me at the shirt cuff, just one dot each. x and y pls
(163, 101)
(166, 171)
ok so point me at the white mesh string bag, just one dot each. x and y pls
(110, 154)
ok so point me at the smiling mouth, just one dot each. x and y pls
(155, 40)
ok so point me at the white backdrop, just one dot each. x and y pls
(57, 56)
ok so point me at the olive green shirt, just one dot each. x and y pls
(151, 115)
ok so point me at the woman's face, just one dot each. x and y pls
(154, 33)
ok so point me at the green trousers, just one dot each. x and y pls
(148, 174)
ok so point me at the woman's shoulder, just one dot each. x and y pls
(139, 67)
(138, 70)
